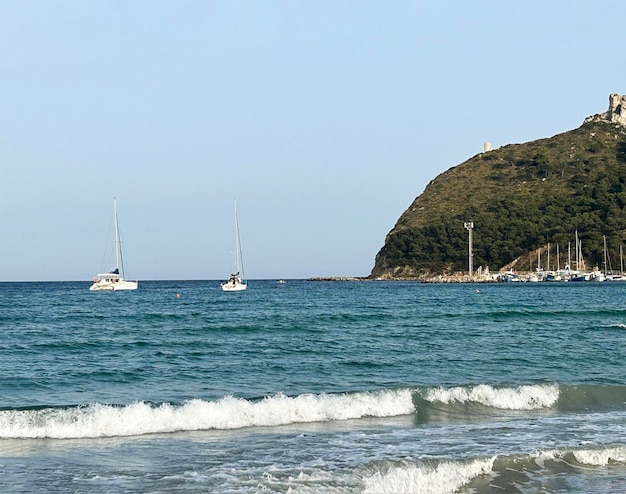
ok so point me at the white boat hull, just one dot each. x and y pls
(229, 286)
(615, 277)
(110, 286)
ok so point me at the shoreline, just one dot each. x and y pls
(522, 277)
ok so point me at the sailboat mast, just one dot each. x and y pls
(238, 244)
(605, 267)
(577, 253)
(569, 256)
(117, 236)
(539, 260)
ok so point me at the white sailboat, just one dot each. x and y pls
(237, 281)
(621, 276)
(114, 280)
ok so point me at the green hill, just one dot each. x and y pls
(521, 197)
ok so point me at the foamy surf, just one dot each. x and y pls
(593, 457)
(446, 477)
(100, 420)
(531, 397)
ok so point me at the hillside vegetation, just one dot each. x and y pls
(520, 197)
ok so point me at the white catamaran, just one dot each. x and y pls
(237, 281)
(114, 280)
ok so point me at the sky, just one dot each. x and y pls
(323, 119)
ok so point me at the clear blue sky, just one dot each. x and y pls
(325, 119)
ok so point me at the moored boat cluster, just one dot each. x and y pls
(561, 275)
(565, 275)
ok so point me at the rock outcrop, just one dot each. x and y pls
(616, 112)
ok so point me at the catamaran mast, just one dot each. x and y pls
(117, 236)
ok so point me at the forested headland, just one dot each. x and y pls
(520, 197)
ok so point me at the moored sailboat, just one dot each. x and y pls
(114, 280)
(237, 281)
(621, 276)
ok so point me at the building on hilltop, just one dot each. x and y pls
(616, 112)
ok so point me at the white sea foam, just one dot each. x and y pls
(446, 477)
(520, 398)
(593, 457)
(228, 413)
(601, 457)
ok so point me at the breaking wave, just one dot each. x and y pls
(98, 420)
(463, 403)
(444, 477)
(495, 474)
(520, 398)
(467, 402)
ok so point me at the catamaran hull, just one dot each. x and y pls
(111, 287)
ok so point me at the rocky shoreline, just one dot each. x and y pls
(339, 278)
(441, 278)
(433, 279)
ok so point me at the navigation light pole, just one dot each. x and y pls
(469, 226)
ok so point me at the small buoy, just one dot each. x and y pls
(477, 290)
(178, 295)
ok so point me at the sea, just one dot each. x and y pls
(313, 387)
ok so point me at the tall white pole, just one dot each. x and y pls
(471, 254)
(238, 245)
(117, 236)
(576, 247)
(569, 257)
(469, 226)
(605, 268)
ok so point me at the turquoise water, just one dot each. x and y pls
(305, 387)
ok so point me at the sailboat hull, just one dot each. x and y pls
(229, 286)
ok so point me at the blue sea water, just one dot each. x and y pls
(307, 387)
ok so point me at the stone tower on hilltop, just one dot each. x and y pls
(617, 109)
(616, 112)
